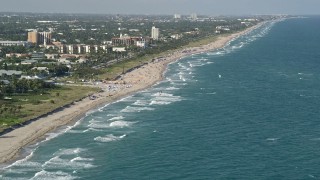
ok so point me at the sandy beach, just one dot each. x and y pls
(133, 81)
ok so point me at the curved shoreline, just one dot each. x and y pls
(136, 80)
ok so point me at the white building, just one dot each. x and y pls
(194, 16)
(118, 49)
(70, 49)
(87, 48)
(14, 43)
(141, 44)
(80, 49)
(155, 33)
(177, 16)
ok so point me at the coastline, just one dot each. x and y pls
(138, 79)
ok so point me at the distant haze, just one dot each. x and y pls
(205, 7)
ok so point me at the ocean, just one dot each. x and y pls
(247, 111)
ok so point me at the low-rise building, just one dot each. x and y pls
(118, 49)
(14, 43)
(10, 73)
(18, 55)
(29, 62)
(51, 56)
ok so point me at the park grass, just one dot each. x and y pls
(34, 105)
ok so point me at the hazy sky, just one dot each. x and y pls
(207, 7)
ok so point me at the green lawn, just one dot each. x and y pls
(28, 106)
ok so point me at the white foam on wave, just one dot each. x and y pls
(120, 124)
(91, 129)
(245, 39)
(162, 94)
(164, 99)
(217, 53)
(46, 175)
(160, 102)
(113, 124)
(94, 121)
(72, 131)
(116, 118)
(81, 159)
(212, 93)
(109, 138)
(136, 109)
(97, 126)
(70, 151)
(58, 162)
(272, 139)
(182, 66)
(197, 64)
(182, 78)
(172, 88)
(140, 103)
(59, 132)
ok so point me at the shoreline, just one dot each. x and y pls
(129, 83)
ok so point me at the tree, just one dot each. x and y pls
(5, 66)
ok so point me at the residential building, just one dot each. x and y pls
(177, 16)
(33, 37)
(129, 41)
(155, 33)
(70, 49)
(193, 16)
(87, 48)
(44, 38)
(39, 37)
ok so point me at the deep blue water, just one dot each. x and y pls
(247, 111)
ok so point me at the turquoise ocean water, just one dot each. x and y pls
(247, 111)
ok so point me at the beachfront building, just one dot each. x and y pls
(155, 33)
(125, 40)
(80, 48)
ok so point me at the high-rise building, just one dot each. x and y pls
(155, 33)
(44, 38)
(33, 37)
(194, 16)
(177, 16)
(39, 37)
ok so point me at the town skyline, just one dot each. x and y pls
(204, 7)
